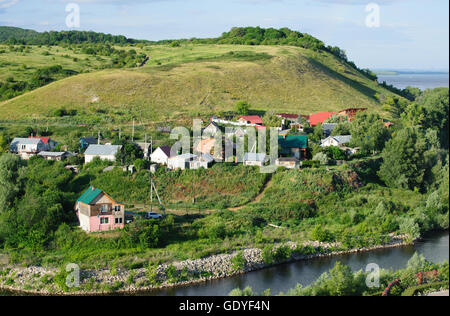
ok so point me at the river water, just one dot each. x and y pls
(284, 277)
(422, 81)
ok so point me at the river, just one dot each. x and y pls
(417, 80)
(284, 277)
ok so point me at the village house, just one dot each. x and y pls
(289, 163)
(212, 129)
(320, 118)
(86, 141)
(255, 159)
(180, 162)
(49, 144)
(351, 112)
(58, 156)
(337, 141)
(190, 161)
(293, 146)
(251, 120)
(161, 155)
(288, 117)
(104, 152)
(98, 212)
(208, 146)
(27, 147)
(201, 161)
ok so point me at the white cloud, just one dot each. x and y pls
(7, 3)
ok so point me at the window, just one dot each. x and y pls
(104, 208)
(117, 208)
(119, 221)
(104, 220)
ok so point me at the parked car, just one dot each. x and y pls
(154, 216)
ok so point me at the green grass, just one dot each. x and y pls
(179, 83)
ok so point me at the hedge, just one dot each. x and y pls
(420, 288)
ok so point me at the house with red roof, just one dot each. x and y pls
(49, 144)
(321, 117)
(251, 120)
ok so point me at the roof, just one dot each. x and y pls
(89, 195)
(288, 116)
(253, 119)
(340, 139)
(184, 157)
(52, 154)
(27, 141)
(321, 117)
(343, 139)
(206, 157)
(44, 139)
(165, 150)
(255, 157)
(329, 127)
(102, 150)
(353, 109)
(89, 140)
(288, 159)
(293, 141)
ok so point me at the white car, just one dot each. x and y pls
(154, 216)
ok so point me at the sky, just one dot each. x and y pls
(411, 34)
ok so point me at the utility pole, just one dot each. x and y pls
(98, 138)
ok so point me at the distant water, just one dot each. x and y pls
(422, 81)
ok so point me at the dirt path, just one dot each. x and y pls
(256, 199)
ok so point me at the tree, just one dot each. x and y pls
(242, 108)
(403, 160)
(9, 180)
(435, 104)
(129, 154)
(368, 132)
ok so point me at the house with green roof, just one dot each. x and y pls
(98, 212)
(293, 146)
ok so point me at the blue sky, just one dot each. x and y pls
(413, 34)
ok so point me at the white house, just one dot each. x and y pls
(180, 162)
(27, 147)
(201, 161)
(161, 155)
(104, 152)
(254, 159)
(337, 141)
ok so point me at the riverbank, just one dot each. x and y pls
(42, 281)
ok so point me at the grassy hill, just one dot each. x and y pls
(200, 80)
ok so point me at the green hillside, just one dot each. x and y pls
(204, 79)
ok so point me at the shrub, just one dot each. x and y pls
(238, 262)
